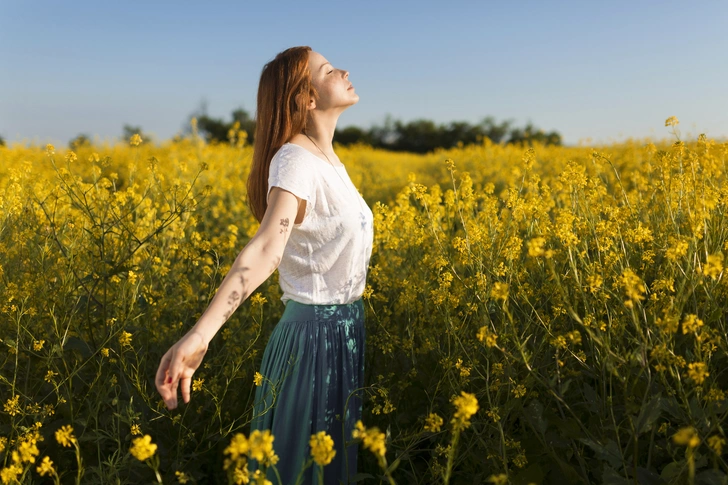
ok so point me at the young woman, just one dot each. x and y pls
(317, 231)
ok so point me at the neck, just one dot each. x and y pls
(321, 129)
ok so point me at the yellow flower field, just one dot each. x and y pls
(534, 314)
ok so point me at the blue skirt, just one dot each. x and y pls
(313, 369)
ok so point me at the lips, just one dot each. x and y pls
(351, 86)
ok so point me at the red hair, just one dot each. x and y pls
(284, 92)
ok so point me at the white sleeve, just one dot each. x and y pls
(292, 173)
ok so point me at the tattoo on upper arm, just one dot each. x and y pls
(284, 225)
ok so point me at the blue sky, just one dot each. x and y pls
(603, 71)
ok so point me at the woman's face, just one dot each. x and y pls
(332, 84)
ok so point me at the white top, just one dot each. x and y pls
(326, 258)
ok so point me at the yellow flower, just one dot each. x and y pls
(499, 291)
(136, 430)
(125, 339)
(359, 430)
(261, 444)
(466, 405)
(257, 299)
(716, 444)
(260, 479)
(678, 250)
(698, 371)
(132, 277)
(501, 479)
(686, 436)
(519, 391)
(464, 370)
(65, 437)
(45, 467)
(50, 375)
(135, 139)
(181, 477)
(671, 121)
(105, 352)
(258, 378)
(38, 345)
(10, 473)
(28, 450)
(197, 384)
(691, 323)
(633, 287)
(71, 157)
(494, 414)
(50, 149)
(11, 405)
(485, 335)
(238, 446)
(535, 247)
(143, 448)
(322, 448)
(713, 267)
(433, 423)
(372, 439)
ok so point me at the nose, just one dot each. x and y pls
(346, 74)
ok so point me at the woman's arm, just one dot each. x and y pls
(255, 263)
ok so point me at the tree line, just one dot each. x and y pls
(417, 136)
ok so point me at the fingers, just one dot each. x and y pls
(176, 368)
(185, 385)
(162, 372)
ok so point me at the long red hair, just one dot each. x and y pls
(284, 92)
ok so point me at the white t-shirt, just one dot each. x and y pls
(326, 258)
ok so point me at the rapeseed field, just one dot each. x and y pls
(534, 314)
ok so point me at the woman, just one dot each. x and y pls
(314, 360)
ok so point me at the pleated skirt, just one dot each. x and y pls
(313, 369)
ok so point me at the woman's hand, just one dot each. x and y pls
(178, 365)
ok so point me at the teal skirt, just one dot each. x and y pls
(313, 369)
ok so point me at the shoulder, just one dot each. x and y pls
(289, 155)
(291, 162)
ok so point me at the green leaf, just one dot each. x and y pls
(609, 452)
(649, 414)
(611, 477)
(75, 343)
(360, 476)
(673, 470)
(534, 414)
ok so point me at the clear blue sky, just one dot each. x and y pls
(601, 70)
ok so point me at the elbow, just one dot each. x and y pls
(264, 252)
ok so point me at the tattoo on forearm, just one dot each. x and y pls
(284, 225)
(233, 300)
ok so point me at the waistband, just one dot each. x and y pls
(323, 312)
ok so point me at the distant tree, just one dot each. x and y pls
(418, 136)
(80, 140)
(353, 134)
(384, 136)
(130, 130)
(2, 141)
(496, 132)
(247, 123)
(216, 129)
(530, 134)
